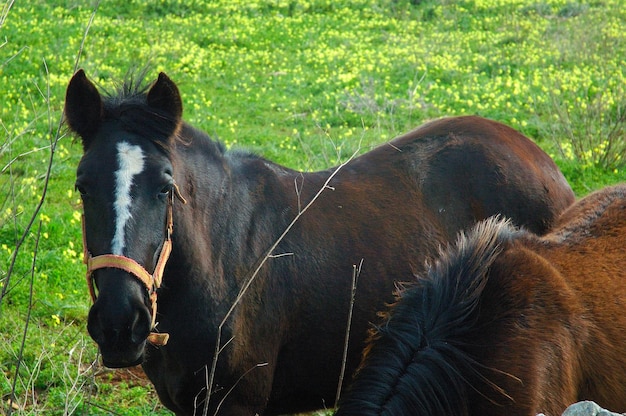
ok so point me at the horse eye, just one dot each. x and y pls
(166, 189)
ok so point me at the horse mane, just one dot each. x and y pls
(418, 355)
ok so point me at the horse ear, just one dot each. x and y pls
(164, 96)
(83, 107)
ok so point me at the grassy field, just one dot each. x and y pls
(303, 82)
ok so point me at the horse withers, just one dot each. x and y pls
(273, 305)
(508, 323)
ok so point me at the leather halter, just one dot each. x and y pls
(150, 281)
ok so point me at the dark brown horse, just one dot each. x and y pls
(281, 342)
(508, 323)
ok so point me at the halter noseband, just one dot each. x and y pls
(150, 281)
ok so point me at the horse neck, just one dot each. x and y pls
(235, 210)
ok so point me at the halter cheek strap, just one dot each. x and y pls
(150, 281)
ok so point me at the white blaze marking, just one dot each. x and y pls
(130, 160)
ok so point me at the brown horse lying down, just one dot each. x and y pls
(508, 323)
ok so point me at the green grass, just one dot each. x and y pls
(305, 83)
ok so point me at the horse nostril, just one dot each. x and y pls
(140, 327)
(101, 330)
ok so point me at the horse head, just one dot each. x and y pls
(126, 182)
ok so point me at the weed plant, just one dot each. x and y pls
(302, 82)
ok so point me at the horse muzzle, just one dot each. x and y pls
(120, 322)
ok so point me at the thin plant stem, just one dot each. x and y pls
(356, 271)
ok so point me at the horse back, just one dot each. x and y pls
(487, 166)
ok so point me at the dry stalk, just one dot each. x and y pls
(356, 271)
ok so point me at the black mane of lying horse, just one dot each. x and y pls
(281, 347)
(506, 322)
